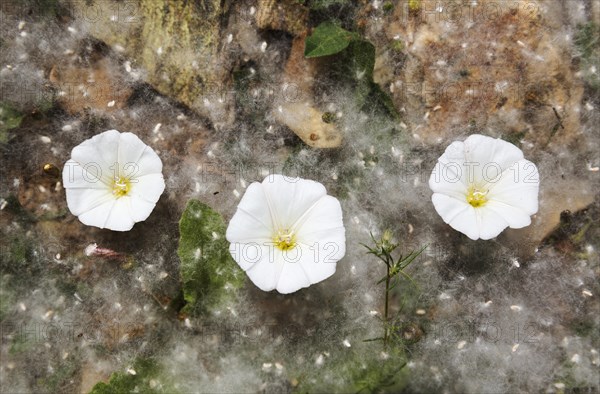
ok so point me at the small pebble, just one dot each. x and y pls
(320, 360)
(586, 293)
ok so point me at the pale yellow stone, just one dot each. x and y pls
(307, 123)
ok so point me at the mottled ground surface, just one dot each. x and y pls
(224, 94)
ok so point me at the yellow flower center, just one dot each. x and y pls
(476, 197)
(285, 239)
(121, 187)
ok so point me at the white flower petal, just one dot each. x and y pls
(114, 214)
(140, 208)
(87, 154)
(518, 187)
(299, 207)
(76, 177)
(458, 214)
(98, 215)
(294, 265)
(101, 149)
(489, 156)
(148, 163)
(89, 178)
(450, 166)
(80, 200)
(323, 229)
(148, 187)
(490, 223)
(131, 149)
(119, 217)
(252, 220)
(319, 260)
(494, 176)
(515, 217)
(289, 198)
(263, 270)
(288, 271)
(454, 153)
(446, 179)
(248, 254)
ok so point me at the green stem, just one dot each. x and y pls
(385, 312)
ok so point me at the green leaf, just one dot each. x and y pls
(9, 119)
(373, 339)
(356, 65)
(413, 255)
(380, 98)
(358, 371)
(327, 39)
(147, 379)
(208, 273)
(324, 4)
(362, 59)
(407, 276)
(586, 40)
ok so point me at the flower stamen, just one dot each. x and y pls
(476, 198)
(285, 239)
(121, 187)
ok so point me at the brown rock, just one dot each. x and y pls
(570, 193)
(176, 43)
(286, 15)
(80, 88)
(307, 123)
(499, 69)
(297, 111)
(91, 374)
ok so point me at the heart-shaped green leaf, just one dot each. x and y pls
(208, 273)
(327, 39)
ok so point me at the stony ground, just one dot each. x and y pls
(224, 94)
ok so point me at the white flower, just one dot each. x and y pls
(113, 180)
(287, 233)
(483, 185)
